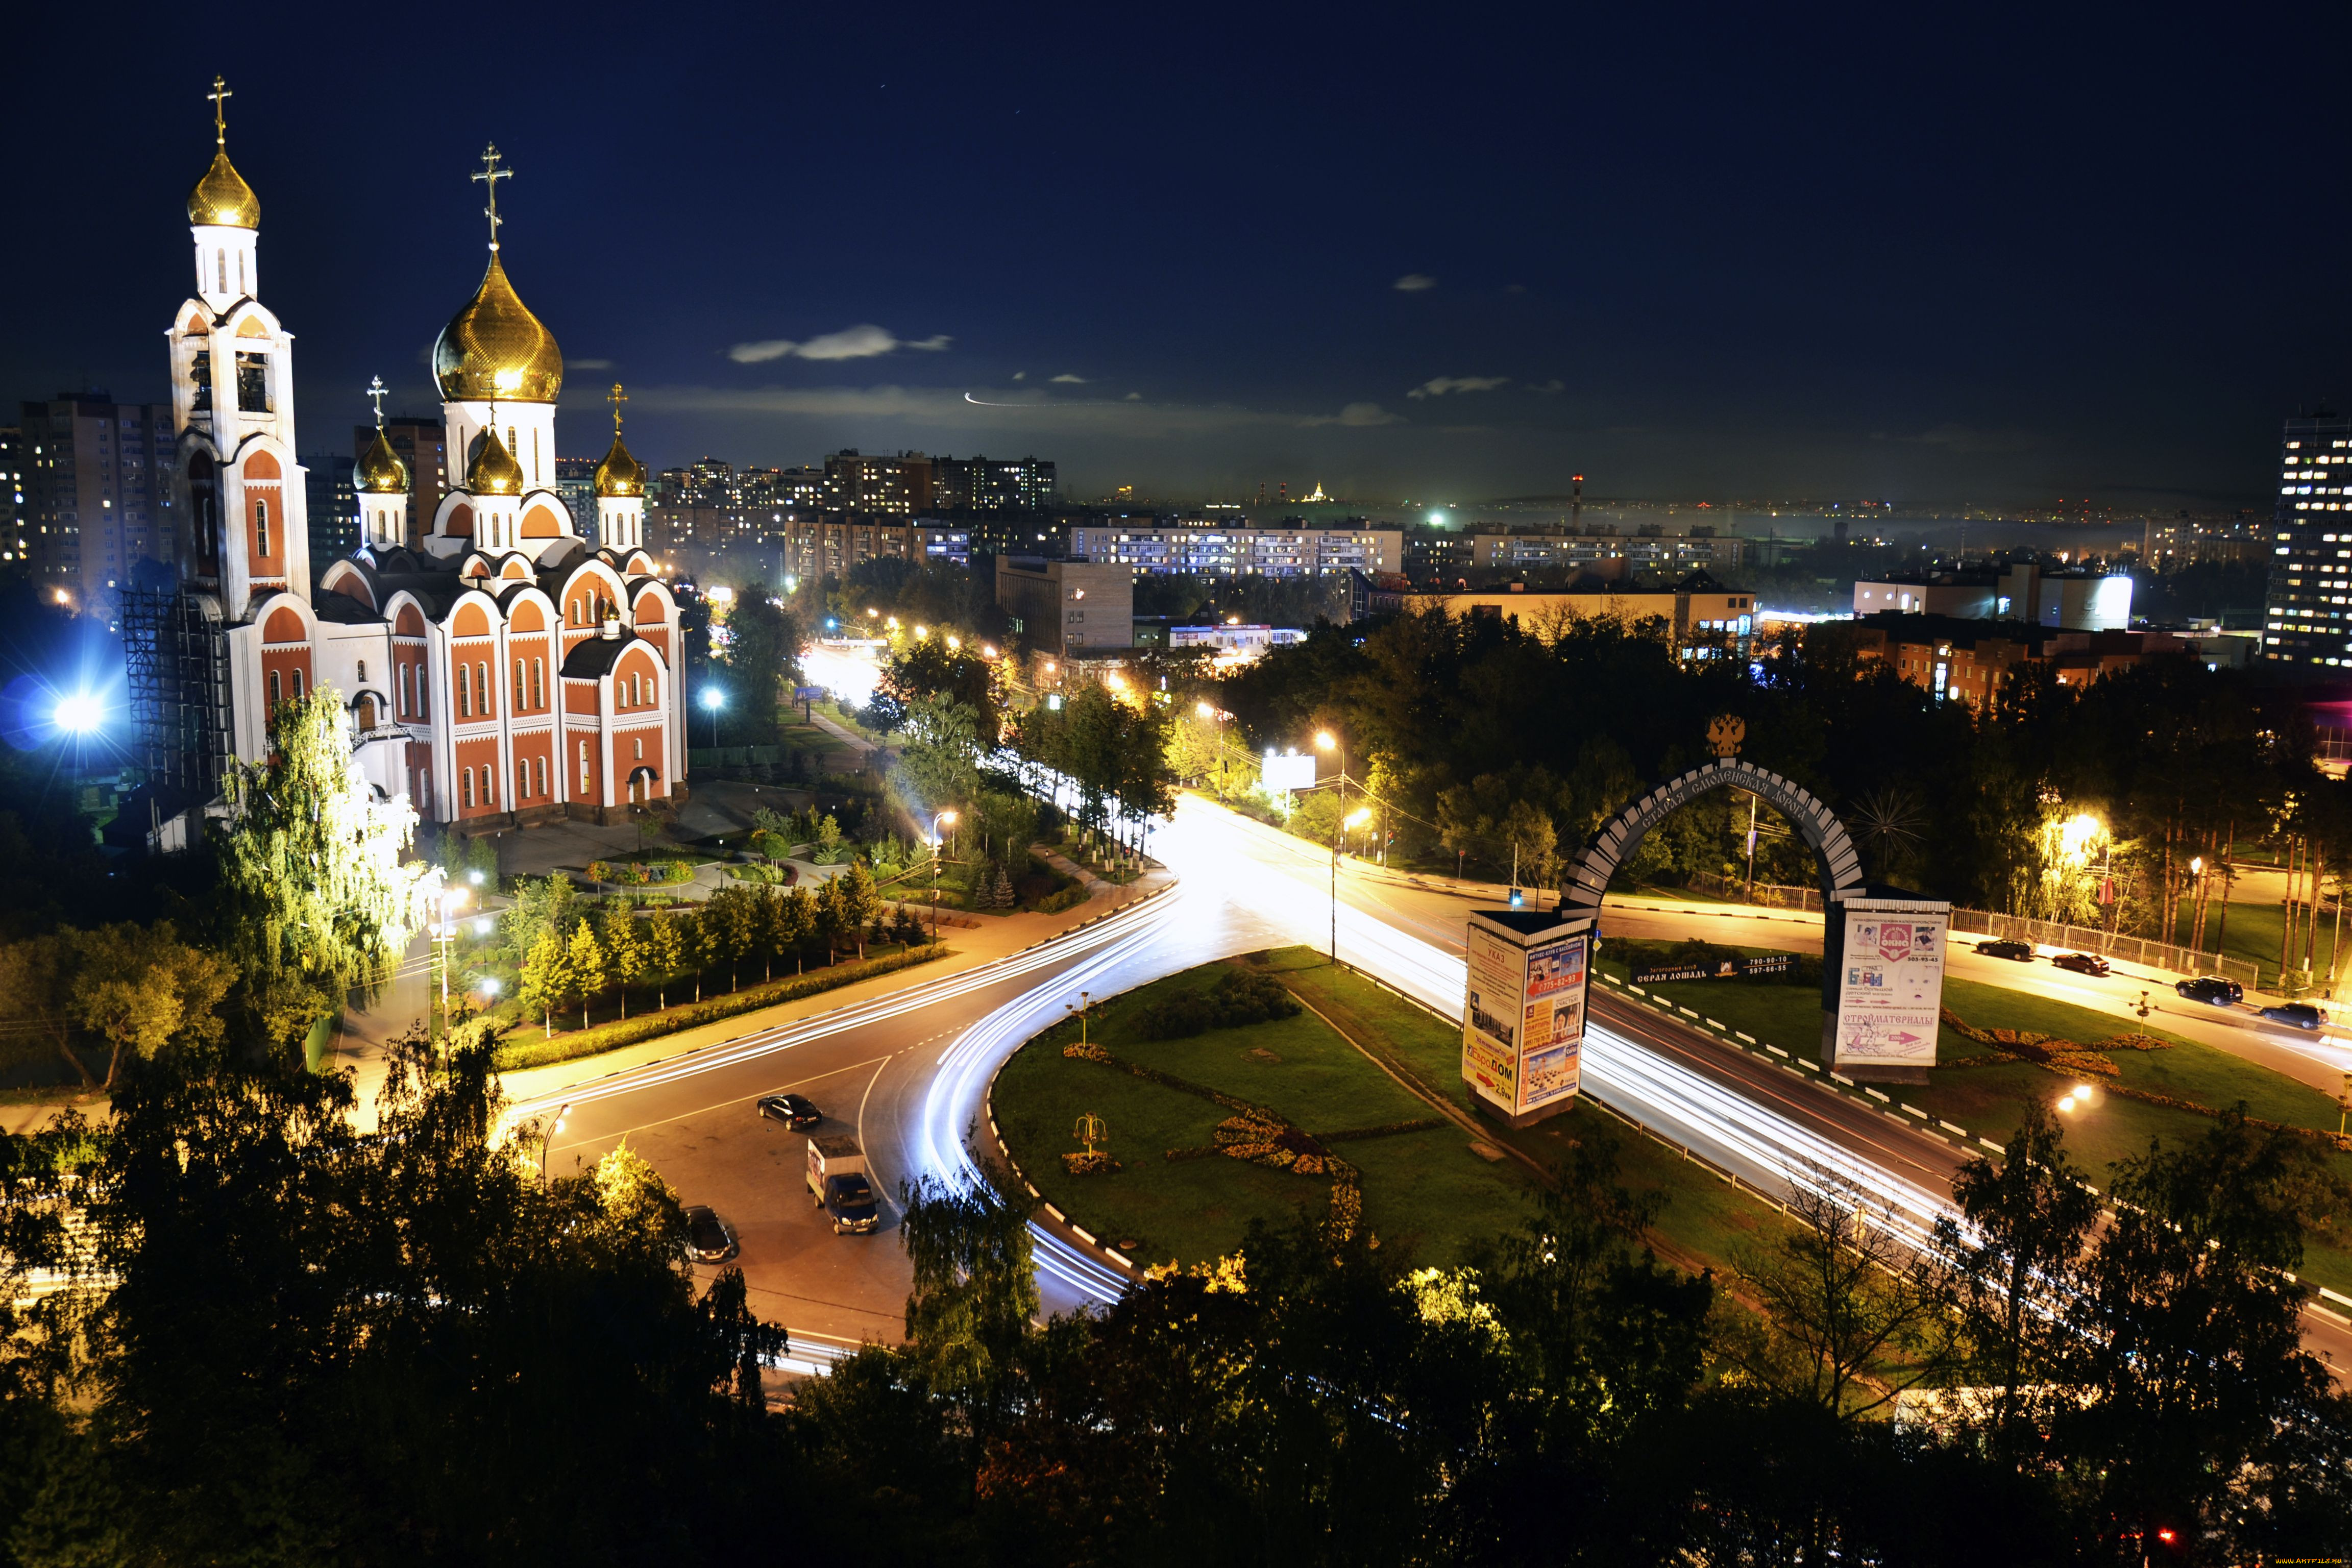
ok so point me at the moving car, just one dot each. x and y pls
(2084, 963)
(2021, 951)
(2295, 1014)
(709, 1238)
(2211, 988)
(794, 1110)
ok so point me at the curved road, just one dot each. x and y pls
(909, 1071)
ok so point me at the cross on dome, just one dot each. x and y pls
(616, 397)
(220, 95)
(490, 176)
(375, 393)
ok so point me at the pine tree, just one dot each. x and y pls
(547, 977)
(800, 924)
(854, 902)
(999, 896)
(587, 963)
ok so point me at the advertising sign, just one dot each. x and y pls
(1493, 1014)
(1733, 968)
(1891, 988)
(1552, 1022)
(1288, 770)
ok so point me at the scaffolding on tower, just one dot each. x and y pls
(176, 660)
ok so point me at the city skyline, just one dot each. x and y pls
(1328, 276)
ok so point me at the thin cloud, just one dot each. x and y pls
(1414, 283)
(865, 340)
(1359, 415)
(1134, 397)
(588, 365)
(1438, 386)
(1548, 387)
(1066, 379)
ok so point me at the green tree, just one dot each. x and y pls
(547, 978)
(663, 953)
(855, 903)
(763, 656)
(625, 953)
(540, 904)
(698, 943)
(2030, 1217)
(311, 882)
(800, 923)
(939, 766)
(584, 961)
(975, 1286)
(142, 988)
(35, 995)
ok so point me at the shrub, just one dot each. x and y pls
(1096, 1163)
(1069, 898)
(1242, 996)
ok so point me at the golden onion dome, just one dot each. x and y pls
(379, 471)
(494, 471)
(495, 351)
(620, 474)
(223, 198)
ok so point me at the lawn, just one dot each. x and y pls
(2253, 935)
(1428, 1193)
(1990, 1099)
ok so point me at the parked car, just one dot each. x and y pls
(2295, 1014)
(2211, 988)
(2084, 963)
(2001, 947)
(794, 1110)
(709, 1238)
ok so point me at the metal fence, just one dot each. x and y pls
(2012, 928)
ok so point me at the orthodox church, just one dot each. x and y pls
(498, 671)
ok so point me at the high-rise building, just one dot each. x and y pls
(985, 484)
(15, 554)
(2310, 600)
(417, 443)
(334, 504)
(896, 486)
(101, 494)
(1150, 544)
(575, 481)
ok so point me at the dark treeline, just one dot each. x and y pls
(1487, 735)
(288, 1335)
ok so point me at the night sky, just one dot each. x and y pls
(1426, 253)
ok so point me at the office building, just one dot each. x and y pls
(1607, 553)
(102, 492)
(2069, 600)
(575, 481)
(1216, 550)
(1698, 617)
(1965, 660)
(898, 486)
(334, 505)
(1068, 607)
(2308, 614)
(989, 484)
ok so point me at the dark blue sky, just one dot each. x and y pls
(1691, 253)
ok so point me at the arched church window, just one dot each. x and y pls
(469, 789)
(220, 271)
(275, 693)
(363, 671)
(298, 686)
(539, 766)
(261, 528)
(519, 687)
(538, 683)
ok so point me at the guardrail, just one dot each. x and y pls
(2011, 928)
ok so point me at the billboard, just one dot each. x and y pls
(1523, 1018)
(1491, 1014)
(1891, 982)
(1288, 771)
(1552, 1022)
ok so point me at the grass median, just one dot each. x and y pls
(1429, 1193)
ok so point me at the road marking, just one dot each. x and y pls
(1911, 1109)
(1777, 1051)
(1875, 1094)
(722, 1105)
(1991, 1144)
(1949, 1128)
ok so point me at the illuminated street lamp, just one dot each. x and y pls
(78, 714)
(947, 816)
(446, 935)
(1355, 818)
(1085, 999)
(549, 1137)
(714, 700)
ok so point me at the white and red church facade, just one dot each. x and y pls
(496, 669)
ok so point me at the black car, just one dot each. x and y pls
(2084, 963)
(2296, 1014)
(849, 1200)
(2211, 988)
(709, 1238)
(796, 1112)
(2021, 951)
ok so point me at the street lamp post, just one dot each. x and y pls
(445, 936)
(714, 700)
(1086, 1000)
(549, 1137)
(1354, 819)
(936, 841)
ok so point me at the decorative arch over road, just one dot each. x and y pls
(1841, 865)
